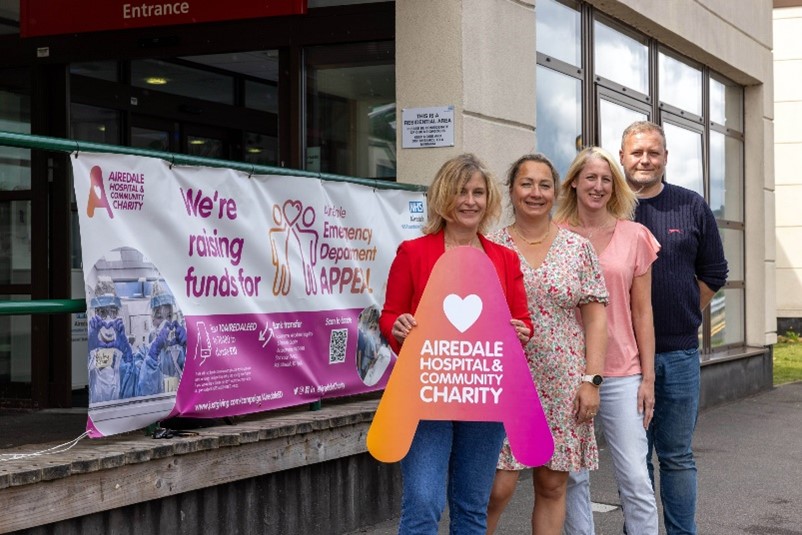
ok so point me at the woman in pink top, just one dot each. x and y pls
(599, 205)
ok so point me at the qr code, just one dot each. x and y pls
(337, 344)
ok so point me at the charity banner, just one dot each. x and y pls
(463, 362)
(214, 293)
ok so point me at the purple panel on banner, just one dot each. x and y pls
(243, 363)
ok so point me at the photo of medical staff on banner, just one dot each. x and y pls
(212, 293)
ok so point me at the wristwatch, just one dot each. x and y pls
(595, 380)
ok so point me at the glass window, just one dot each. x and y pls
(102, 70)
(350, 110)
(684, 158)
(680, 84)
(15, 345)
(260, 96)
(156, 75)
(620, 89)
(97, 125)
(726, 317)
(261, 149)
(149, 138)
(559, 117)
(204, 146)
(733, 241)
(613, 120)
(15, 163)
(621, 58)
(558, 31)
(9, 18)
(726, 104)
(15, 242)
(726, 177)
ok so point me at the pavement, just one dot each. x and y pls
(748, 453)
(749, 460)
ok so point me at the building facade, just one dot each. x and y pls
(325, 91)
(787, 144)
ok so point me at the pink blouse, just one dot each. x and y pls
(630, 253)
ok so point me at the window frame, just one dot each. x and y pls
(597, 88)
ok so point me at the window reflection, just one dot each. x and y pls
(726, 317)
(102, 70)
(680, 84)
(726, 176)
(97, 125)
(15, 242)
(148, 138)
(259, 96)
(613, 120)
(684, 158)
(733, 240)
(621, 58)
(558, 31)
(206, 147)
(261, 149)
(350, 112)
(15, 164)
(559, 117)
(15, 345)
(157, 75)
(726, 104)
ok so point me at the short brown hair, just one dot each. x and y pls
(643, 126)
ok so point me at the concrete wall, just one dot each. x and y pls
(787, 148)
(479, 56)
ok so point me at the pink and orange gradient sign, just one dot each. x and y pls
(464, 362)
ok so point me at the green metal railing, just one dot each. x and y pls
(29, 141)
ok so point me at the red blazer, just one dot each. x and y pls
(413, 264)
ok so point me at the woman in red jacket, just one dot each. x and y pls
(463, 201)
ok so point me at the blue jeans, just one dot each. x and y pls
(676, 408)
(457, 459)
(622, 425)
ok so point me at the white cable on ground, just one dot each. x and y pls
(61, 448)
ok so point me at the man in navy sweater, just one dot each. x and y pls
(689, 270)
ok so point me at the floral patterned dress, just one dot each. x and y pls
(569, 276)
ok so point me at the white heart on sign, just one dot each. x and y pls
(462, 313)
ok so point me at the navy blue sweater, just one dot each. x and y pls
(690, 248)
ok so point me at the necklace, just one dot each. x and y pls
(532, 242)
(592, 230)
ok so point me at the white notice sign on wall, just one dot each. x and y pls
(427, 127)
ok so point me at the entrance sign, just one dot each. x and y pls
(463, 362)
(427, 127)
(46, 17)
(212, 293)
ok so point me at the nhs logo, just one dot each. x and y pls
(416, 207)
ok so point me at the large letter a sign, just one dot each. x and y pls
(464, 362)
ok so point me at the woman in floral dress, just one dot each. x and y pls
(561, 275)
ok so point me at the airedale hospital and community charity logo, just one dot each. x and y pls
(126, 191)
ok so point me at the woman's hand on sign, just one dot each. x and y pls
(403, 324)
(521, 330)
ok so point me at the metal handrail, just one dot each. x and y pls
(42, 306)
(54, 144)
(30, 141)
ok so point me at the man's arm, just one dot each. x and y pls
(705, 294)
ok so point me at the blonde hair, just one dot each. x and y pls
(622, 201)
(448, 183)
